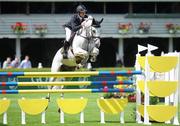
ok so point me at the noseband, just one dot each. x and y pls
(86, 37)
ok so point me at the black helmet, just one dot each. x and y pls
(81, 8)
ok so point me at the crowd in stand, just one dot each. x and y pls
(26, 63)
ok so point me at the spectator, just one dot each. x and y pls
(15, 63)
(119, 61)
(40, 65)
(26, 63)
(7, 63)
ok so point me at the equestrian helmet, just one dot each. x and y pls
(81, 8)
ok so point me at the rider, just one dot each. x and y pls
(74, 25)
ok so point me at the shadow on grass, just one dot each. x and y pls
(1, 124)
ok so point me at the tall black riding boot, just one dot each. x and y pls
(66, 47)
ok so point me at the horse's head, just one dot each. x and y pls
(95, 43)
(90, 34)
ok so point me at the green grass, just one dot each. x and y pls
(92, 117)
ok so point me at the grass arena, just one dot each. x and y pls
(90, 105)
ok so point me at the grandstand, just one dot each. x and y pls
(113, 44)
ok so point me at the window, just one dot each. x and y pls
(168, 7)
(63, 8)
(94, 7)
(143, 7)
(117, 7)
(13, 7)
(40, 7)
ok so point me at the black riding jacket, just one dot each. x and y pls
(75, 23)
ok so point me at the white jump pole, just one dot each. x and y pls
(147, 78)
(43, 117)
(167, 99)
(122, 117)
(61, 115)
(82, 115)
(23, 116)
(138, 91)
(176, 75)
(102, 115)
(5, 118)
(146, 92)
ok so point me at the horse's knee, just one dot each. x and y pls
(95, 51)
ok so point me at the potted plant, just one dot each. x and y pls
(124, 27)
(144, 27)
(178, 28)
(171, 28)
(19, 28)
(132, 97)
(41, 29)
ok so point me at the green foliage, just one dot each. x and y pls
(154, 100)
(108, 95)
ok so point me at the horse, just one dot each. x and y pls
(84, 47)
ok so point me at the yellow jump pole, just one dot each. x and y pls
(102, 90)
(67, 83)
(69, 74)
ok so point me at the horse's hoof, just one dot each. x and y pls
(47, 98)
(59, 110)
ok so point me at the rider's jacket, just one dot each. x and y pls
(75, 23)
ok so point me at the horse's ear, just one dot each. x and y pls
(101, 20)
(97, 24)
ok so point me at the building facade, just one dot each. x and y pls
(126, 24)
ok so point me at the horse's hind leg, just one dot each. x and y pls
(52, 79)
(55, 67)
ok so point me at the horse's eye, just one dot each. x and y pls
(94, 31)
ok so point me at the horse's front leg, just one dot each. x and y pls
(94, 53)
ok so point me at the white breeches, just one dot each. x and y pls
(68, 33)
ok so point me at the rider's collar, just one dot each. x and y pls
(80, 17)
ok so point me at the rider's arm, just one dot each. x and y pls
(75, 24)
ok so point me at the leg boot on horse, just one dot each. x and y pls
(67, 44)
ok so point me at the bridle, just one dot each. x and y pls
(88, 37)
